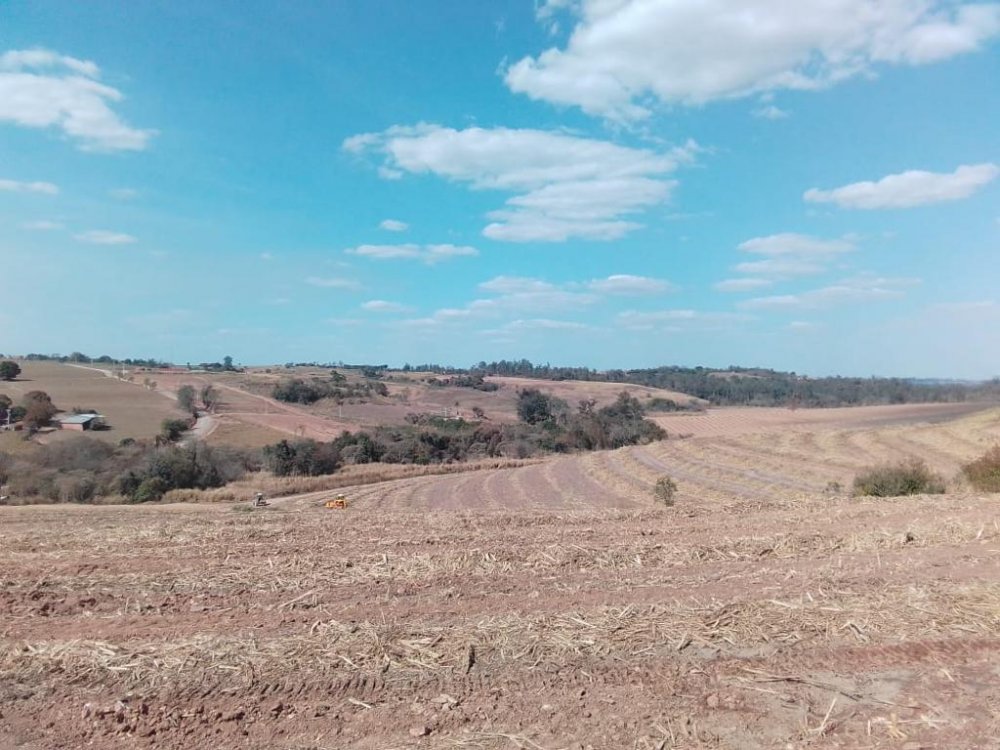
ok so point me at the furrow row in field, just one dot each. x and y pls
(682, 459)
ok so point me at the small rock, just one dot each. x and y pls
(420, 731)
(712, 701)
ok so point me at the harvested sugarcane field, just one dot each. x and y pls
(556, 604)
(510, 375)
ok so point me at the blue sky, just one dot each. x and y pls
(810, 186)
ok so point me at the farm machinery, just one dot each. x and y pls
(337, 503)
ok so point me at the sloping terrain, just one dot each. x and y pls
(131, 410)
(555, 606)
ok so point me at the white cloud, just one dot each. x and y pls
(541, 324)
(969, 306)
(42, 225)
(13, 186)
(770, 112)
(565, 186)
(394, 225)
(863, 288)
(385, 252)
(512, 294)
(780, 268)
(334, 282)
(786, 255)
(803, 326)
(629, 285)
(748, 284)
(790, 244)
(266, 256)
(515, 285)
(384, 306)
(678, 319)
(42, 89)
(124, 194)
(624, 53)
(908, 189)
(429, 254)
(436, 253)
(105, 237)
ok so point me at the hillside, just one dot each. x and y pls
(132, 411)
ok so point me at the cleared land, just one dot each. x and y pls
(247, 415)
(131, 410)
(555, 606)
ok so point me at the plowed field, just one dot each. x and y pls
(547, 606)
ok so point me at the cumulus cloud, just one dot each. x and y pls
(565, 186)
(384, 306)
(629, 285)
(909, 189)
(105, 237)
(429, 254)
(394, 225)
(623, 55)
(43, 89)
(13, 186)
(862, 288)
(334, 282)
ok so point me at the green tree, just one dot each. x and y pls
(186, 398)
(9, 370)
(227, 362)
(533, 406)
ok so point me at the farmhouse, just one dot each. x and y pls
(80, 422)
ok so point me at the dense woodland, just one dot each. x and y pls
(739, 386)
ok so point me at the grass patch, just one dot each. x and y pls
(984, 472)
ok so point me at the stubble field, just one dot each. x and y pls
(551, 605)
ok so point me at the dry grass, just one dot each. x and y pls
(401, 651)
(350, 476)
(132, 411)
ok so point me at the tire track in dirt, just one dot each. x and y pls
(807, 475)
(690, 469)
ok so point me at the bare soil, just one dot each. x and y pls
(131, 410)
(552, 605)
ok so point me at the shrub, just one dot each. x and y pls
(38, 409)
(172, 429)
(151, 489)
(665, 490)
(533, 406)
(186, 398)
(984, 472)
(894, 480)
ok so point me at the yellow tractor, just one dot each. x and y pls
(339, 502)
